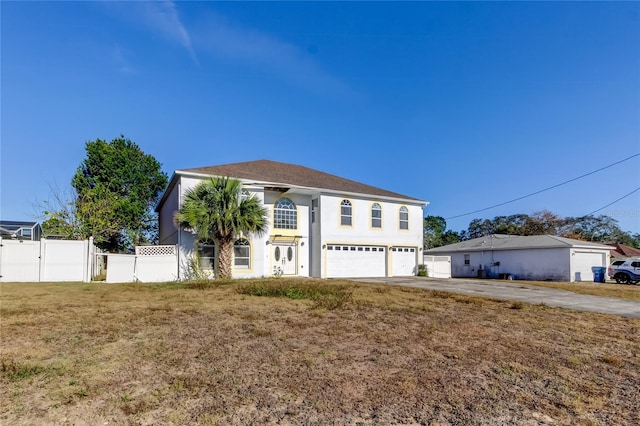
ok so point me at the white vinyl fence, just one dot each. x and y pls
(149, 264)
(438, 266)
(47, 260)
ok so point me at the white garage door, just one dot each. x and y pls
(404, 261)
(582, 262)
(345, 261)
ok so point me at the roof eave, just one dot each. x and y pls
(407, 200)
(460, 250)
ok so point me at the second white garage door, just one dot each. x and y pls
(345, 261)
(404, 261)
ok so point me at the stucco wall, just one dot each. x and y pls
(299, 237)
(550, 264)
(308, 238)
(530, 264)
(258, 246)
(361, 231)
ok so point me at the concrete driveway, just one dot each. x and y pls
(518, 292)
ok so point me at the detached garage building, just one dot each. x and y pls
(536, 258)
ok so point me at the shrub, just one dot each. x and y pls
(516, 305)
(193, 270)
(422, 271)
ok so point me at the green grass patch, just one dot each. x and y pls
(325, 295)
(15, 371)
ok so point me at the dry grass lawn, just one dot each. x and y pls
(362, 354)
(609, 289)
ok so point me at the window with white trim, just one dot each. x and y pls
(245, 194)
(241, 254)
(285, 214)
(404, 218)
(376, 216)
(207, 253)
(346, 218)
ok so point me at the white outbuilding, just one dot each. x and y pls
(536, 258)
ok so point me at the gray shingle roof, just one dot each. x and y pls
(292, 174)
(514, 242)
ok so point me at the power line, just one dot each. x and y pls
(547, 189)
(612, 203)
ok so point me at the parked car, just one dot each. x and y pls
(625, 271)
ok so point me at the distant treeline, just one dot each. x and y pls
(587, 228)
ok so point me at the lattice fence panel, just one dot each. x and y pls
(155, 250)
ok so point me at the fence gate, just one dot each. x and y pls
(46, 260)
(149, 264)
(438, 266)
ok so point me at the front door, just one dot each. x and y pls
(285, 261)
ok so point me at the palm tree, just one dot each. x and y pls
(214, 209)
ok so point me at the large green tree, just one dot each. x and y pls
(115, 188)
(215, 209)
(436, 233)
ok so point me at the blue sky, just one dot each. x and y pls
(465, 105)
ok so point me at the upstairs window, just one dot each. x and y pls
(241, 254)
(376, 216)
(285, 214)
(346, 213)
(404, 218)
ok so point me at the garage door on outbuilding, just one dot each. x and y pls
(346, 260)
(404, 261)
(582, 263)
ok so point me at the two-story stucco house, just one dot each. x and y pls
(320, 225)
